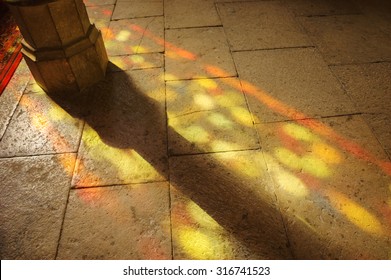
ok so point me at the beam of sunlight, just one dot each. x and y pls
(355, 213)
(205, 102)
(241, 115)
(220, 120)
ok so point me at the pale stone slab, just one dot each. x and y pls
(100, 16)
(136, 9)
(333, 186)
(189, 96)
(224, 208)
(124, 140)
(136, 62)
(290, 84)
(225, 129)
(122, 222)
(34, 193)
(322, 7)
(135, 36)
(11, 95)
(260, 25)
(350, 38)
(197, 53)
(193, 13)
(40, 126)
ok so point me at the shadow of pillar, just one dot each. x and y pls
(124, 117)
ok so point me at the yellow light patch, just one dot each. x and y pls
(326, 152)
(355, 213)
(230, 98)
(220, 120)
(241, 115)
(314, 166)
(57, 114)
(123, 36)
(288, 158)
(208, 83)
(198, 244)
(221, 145)
(201, 217)
(204, 101)
(290, 183)
(137, 59)
(193, 133)
(298, 132)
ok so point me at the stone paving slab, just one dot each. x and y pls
(350, 38)
(128, 36)
(180, 14)
(40, 126)
(194, 53)
(290, 84)
(34, 196)
(260, 25)
(124, 140)
(11, 95)
(322, 7)
(136, 62)
(330, 214)
(121, 222)
(228, 129)
(100, 16)
(137, 9)
(235, 190)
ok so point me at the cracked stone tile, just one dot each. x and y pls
(223, 207)
(324, 206)
(135, 36)
(197, 53)
(34, 195)
(100, 16)
(122, 222)
(350, 38)
(260, 25)
(136, 9)
(124, 140)
(11, 95)
(290, 84)
(322, 7)
(136, 62)
(188, 96)
(40, 126)
(180, 14)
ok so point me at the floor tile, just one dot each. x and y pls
(100, 16)
(11, 95)
(330, 214)
(196, 52)
(290, 84)
(322, 7)
(122, 222)
(40, 126)
(180, 14)
(232, 202)
(136, 9)
(350, 38)
(34, 196)
(124, 140)
(136, 62)
(135, 36)
(260, 25)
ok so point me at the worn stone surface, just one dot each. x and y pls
(40, 126)
(290, 84)
(134, 36)
(322, 7)
(89, 3)
(180, 14)
(227, 129)
(34, 194)
(136, 9)
(124, 140)
(136, 61)
(122, 222)
(233, 214)
(312, 163)
(260, 25)
(100, 16)
(350, 38)
(188, 56)
(11, 95)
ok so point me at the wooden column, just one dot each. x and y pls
(64, 51)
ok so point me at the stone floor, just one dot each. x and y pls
(225, 129)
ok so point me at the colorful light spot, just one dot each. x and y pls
(123, 36)
(204, 101)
